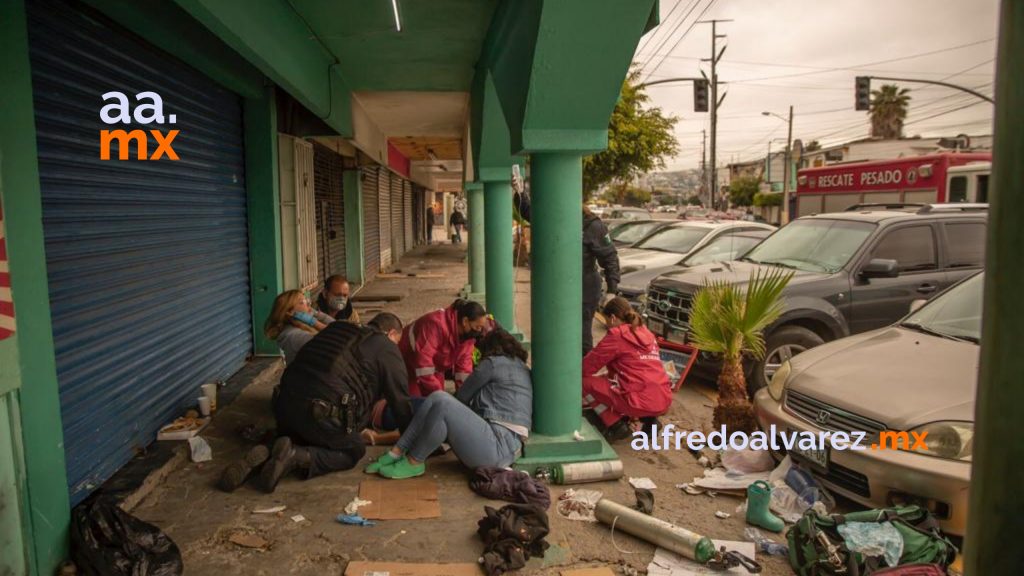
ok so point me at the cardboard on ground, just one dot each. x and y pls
(412, 499)
(404, 569)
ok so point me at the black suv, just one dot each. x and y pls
(853, 271)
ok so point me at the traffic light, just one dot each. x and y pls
(700, 95)
(863, 90)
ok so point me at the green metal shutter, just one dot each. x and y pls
(148, 262)
(371, 222)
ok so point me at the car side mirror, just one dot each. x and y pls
(916, 304)
(880, 268)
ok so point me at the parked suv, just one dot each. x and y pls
(854, 271)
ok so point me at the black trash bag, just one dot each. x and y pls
(107, 541)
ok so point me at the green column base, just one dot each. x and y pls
(467, 294)
(540, 451)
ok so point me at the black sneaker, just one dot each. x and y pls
(237, 473)
(618, 431)
(284, 457)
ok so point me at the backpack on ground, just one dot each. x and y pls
(816, 548)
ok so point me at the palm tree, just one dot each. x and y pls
(729, 321)
(888, 111)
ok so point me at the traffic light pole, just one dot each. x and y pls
(716, 55)
(936, 83)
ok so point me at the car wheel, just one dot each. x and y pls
(781, 345)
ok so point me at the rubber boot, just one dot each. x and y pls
(759, 495)
(238, 472)
(284, 457)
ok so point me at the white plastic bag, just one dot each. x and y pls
(747, 461)
(201, 451)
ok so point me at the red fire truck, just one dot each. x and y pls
(946, 177)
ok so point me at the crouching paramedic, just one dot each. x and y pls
(324, 400)
(636, 386)
(442, 341)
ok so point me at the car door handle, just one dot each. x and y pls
(927, 288)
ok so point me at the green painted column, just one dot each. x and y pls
(499, 266)
(557, 300)
(264, 205)
(477, 258)
(996, 500)
(42, 435)
(355, 250)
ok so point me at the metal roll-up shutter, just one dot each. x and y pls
(419, 208)
(384, 188)
(397, 226)
(371, 222)
(328, 167)
(148, 262)
(407, 215)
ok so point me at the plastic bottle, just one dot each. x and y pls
(765, 544)
(580, 472)
(803, 484)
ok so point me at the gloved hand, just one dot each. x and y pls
(304, 317)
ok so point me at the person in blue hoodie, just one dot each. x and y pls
(485, 422)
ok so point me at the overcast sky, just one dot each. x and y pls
(806, 53)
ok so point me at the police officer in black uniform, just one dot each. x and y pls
(324, 401)
(598, 250)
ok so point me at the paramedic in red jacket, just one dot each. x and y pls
(636, 386)
(442, 341)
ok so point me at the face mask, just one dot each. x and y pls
(339, 302)
(305, 318)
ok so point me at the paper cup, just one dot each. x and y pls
(210, 391)
(204, 406)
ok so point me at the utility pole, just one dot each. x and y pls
(716, 55)
(788, 172)
(703, 163)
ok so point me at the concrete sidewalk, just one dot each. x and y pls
(201, 519)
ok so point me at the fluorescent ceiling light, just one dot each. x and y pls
(398, 21)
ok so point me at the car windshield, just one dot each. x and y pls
(721, 249)
(954, 314)
(812, 245)
(633, 231)
(678, 239)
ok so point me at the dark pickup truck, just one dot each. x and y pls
(853, 271)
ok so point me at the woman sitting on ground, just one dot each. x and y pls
(293, 322)
(636, 389)
(485, 422)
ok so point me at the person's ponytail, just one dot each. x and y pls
(620, 308)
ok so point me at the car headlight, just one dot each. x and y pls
(949, 440)
(779, 379)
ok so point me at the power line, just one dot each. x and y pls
(692, 24)
(657, 32)
(667, 37)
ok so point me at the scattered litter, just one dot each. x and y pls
(642, 483)
(298, 518)
(668, 563)
(577, 436)
(273, 510)
(697, 490)
(354, 506)
(748, 461)
(722, 479)
(249, 540)
(765, 544)
(644, 501)
(722, 515)
(183, 428)
(873, 539)
(201, 451)
(578, 504)
(355, 520)
(704, 461)
(356, 568)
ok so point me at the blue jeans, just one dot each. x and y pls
(475, 441)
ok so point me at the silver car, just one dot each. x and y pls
(917, 376)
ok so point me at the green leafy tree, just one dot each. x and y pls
(742, 190)
(640, 137)
(627, 195)
(728, 320)
(769, 199)
(693, 200)
(889, 106)
(814, 146)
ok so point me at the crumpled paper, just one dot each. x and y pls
(354, 506)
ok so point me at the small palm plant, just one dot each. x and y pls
(729, 321)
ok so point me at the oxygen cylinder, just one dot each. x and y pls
(580, 472)
(656, 531)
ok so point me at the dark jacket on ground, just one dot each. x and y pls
(325, 307)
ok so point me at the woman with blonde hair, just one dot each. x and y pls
(293, 322)
(636, 389)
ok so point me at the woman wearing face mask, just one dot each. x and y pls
(292, 323)
(485, 422)
(442, 341)
(636, 389)
(335, 300)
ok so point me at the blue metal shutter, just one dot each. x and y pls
(147, 261)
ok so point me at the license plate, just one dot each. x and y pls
(677, 336)
(817, 457)
(658, 328)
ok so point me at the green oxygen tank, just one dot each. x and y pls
(580, 472)
(656, 531)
